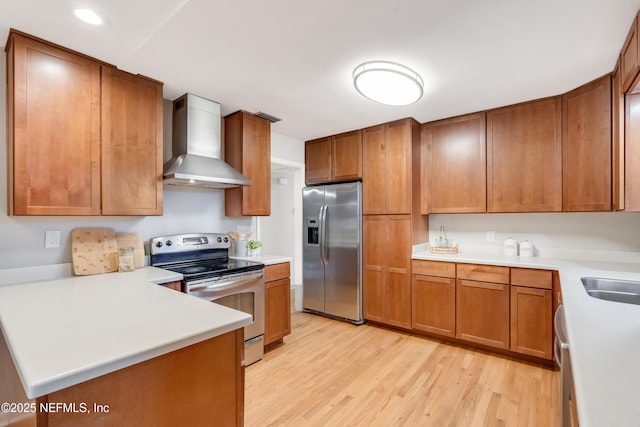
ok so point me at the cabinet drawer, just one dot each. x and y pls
(434, 268)
(483, 273)
(531, 278)
(276, 271)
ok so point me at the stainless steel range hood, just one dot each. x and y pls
(197, 147)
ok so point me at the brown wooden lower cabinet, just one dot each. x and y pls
(482, 313)
(531, 321)
(277, 301)
(434, 305)
(173, 285)
(202, 384)
(387, 269)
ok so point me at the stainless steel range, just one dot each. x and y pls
(209, 273)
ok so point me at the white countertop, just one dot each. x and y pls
(604, 336)
(63, 332)
(266, 259)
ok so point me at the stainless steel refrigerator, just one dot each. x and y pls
(332, 251)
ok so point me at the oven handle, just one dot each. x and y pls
(225, 284)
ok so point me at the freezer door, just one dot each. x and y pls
(343, 276)
(312, 267)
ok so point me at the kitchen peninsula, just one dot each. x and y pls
(116, 349)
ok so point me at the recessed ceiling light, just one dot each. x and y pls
(388, 83)
(88, 16)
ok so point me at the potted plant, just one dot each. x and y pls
(254, 247)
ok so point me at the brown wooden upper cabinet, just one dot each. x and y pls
(247, 148)
(453, 165)
(524, 157)
(387, 167)
(61, 123)
(586, 143)
(131, 144)
(630, 57)
(334, 158)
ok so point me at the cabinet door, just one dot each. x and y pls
(524, 157)
(531, 321)
(131, 144)
(53, 145)
(397, 248)
(434, 305)
(586, 142)
(398, 168)
(374, 170)
(373, 268)
(277, 310)
(317, 160)
(346, 156)
(617, 161)
(248, 149)
(629, 58)
(482, 313)
(454, 165)
(632, 153)
(387, 269)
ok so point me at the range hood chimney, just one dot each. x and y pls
(197, 147)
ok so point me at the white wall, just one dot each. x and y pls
(613, 235)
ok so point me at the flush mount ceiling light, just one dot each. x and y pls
(88, 16)
(388, 83)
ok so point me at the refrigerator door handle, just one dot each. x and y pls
(323, 235)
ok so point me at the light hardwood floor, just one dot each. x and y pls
(330, 373)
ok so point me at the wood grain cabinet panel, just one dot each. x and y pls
(454, 173)
(524, 157)
(586, 142)
(482, 313)
(317, 160)
(531, 321)
(131, 144)
(277, 310)
(433, 268)
(277, 298)
(83, 138)
(334, 158)
(618, 143)
(629, 57)
(248, 149)
(434, 305)
(53, 130)
(387, 167)
(483, 273)
(387, 269)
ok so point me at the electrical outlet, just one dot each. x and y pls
(52, 239)
(491, 236)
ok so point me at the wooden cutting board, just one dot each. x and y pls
(133, 240)
(94, 251)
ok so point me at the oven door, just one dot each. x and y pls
(243, 292)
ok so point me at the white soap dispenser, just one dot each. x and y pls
(510, 247)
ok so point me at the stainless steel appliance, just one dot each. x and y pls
(209, 273)
(332, 252)
(563, 359)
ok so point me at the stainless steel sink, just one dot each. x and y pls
(626, 291)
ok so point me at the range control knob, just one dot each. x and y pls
(169, 243)
(219, 239)
(226, 240)
(158, 244)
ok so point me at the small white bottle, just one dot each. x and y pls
(526, 249)
(510, 247)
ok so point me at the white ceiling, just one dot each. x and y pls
(293, 59)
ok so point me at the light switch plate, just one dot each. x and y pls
(491, 236)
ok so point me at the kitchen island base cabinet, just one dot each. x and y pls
(202, 384)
